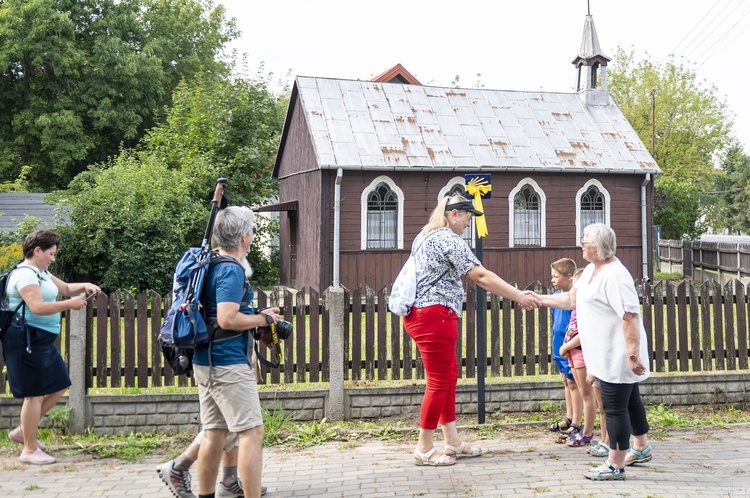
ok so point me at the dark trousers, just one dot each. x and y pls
(625, 412)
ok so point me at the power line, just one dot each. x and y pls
(723, 39)
(713, 30)
(693, 29)
(697, 36)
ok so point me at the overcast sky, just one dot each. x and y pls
(519, 45)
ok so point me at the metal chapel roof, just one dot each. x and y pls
(388, 126)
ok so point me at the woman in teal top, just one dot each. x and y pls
(36, 370)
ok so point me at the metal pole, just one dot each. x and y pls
(481, 336)
(653, 120)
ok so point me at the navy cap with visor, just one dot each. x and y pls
(464, 206)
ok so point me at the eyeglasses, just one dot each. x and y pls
(585, 242)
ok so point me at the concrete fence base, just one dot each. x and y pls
(172, 413)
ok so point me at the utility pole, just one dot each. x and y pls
(653, 120)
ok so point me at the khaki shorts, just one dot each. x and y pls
(232, 402)
(232, 440)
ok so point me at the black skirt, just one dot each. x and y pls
(38, 373)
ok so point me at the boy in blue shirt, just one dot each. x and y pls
(562, 280)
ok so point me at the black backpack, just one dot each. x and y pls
(6, 314)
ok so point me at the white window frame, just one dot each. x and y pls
(596, 183)
(363, 211)
(542, 208)
(458, 180)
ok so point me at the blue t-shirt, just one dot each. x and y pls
(25, 275)
(560, 321)
(224, 284)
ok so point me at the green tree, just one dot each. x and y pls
(232, 125)
(131, 219)
(732, 192)
(677, 209)
(133, 216)
(692, 127)
(80, 77)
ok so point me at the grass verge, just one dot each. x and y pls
(282, 430)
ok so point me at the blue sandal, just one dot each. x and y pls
(609, 474)
(642, 456)
(599, 449)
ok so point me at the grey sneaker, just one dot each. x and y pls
(178, 481)
(234, 490)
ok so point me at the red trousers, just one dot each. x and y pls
(435, 330)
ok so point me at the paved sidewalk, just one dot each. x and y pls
(706, 462)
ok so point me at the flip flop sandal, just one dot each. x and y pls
(423, 459)
(642, 456)
(474, 451)
(557, 427)
(610, 473)
(599, 449)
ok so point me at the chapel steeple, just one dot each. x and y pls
(591, 65)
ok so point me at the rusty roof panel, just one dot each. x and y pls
(346, 153)
(474, 135)
(441, 156)
(516, 136)
(449, 125)
(387, 133)
(491, 127)
(484, 155)
(354, 101)
(353, 123)
(424, 115)
(431, 135)
(361, 122)
(406, 124)
(416, 95)
(458, 146)
(367, 143)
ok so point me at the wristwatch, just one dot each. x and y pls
(632, 357)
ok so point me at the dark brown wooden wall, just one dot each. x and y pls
(522, 265)
(300, 180)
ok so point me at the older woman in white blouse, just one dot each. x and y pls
(614, 347)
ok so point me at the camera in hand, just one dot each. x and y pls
(282, 329)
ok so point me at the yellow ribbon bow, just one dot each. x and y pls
(477, 187)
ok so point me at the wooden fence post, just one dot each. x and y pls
(77, 371)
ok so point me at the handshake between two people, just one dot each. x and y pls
(531, 300)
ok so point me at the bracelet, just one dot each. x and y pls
(632, 357)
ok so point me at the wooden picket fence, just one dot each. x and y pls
(690, 327)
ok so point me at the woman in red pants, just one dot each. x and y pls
(441, 258)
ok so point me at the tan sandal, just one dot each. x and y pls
(423, 459)
(460, 450)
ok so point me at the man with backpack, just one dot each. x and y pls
(227, 389)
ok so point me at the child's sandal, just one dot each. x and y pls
(600, 449)
(580, 439)
(557, 426)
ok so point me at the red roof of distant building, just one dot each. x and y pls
(397, 74)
